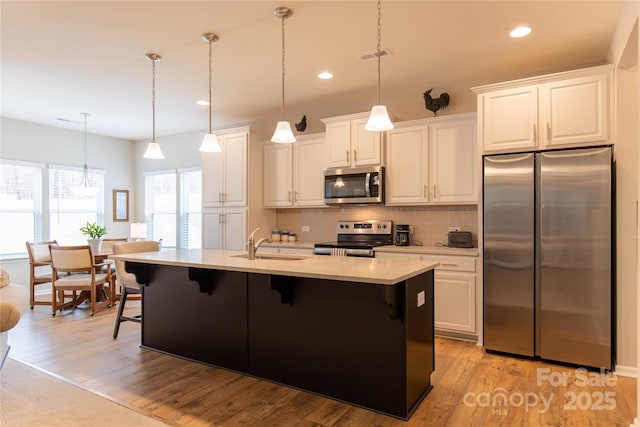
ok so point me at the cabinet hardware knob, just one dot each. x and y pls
(347, 156)
(355, 155)
(535, 135)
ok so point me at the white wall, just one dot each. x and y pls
(50, 145)
(624, 54)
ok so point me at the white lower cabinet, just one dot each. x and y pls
(454, 292)
(225, 229)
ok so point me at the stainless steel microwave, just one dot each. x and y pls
(354, 185)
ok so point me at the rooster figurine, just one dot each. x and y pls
(435, 104)
(300, 127)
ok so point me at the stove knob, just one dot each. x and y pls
(346, 226)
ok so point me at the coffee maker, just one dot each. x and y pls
(402, 237)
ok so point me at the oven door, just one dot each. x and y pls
(354, 185)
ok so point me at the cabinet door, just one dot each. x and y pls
(308, 172)
(212, 171)
(455, 301)
(338, 144)
(277, 175)
(407, 166)
(509, 119)
(212, 229)
(235, 170)
(235, 230)
(365, 144)
(575, 110)
(453, 162)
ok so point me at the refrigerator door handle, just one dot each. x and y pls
(509, 159)
(537, 286)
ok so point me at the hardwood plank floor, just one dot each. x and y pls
(471, 387)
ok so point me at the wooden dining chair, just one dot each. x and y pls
(128, 280)
(82, 275)
(39, 268)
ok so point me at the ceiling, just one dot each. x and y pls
(59, 59)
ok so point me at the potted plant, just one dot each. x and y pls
(94, 232)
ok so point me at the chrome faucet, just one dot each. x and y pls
(252, 245)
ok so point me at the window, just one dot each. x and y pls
(68, 210)
(20, 206)
(190, 209)
(177, 224)
(160, 207)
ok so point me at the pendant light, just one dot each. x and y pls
(153, 149)
(379, 118)
(210, 142)
(283, 133)
(85, 189)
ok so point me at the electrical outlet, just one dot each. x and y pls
(305, 228)
(454, 228)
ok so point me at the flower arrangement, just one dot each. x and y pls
(93, 231)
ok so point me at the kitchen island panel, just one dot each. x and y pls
(347, 342)
(198, 314)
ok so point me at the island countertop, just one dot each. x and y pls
(352, 269)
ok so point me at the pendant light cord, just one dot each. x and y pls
(210, 87)
(153, 99)
(85, 139)
(283, 68)
(379, 38)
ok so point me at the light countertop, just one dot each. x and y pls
(353, 269)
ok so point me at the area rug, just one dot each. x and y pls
(30, 397)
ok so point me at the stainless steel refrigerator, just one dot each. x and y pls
(547, 257)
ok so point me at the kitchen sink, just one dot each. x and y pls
(278, 257)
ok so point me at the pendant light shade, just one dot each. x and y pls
(379, 118)
(153, 151)
(153, 148)
(85, 189)
(210, 142)
(283, 133)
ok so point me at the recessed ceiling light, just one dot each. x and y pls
(520, 32)
(202, 102)
(325, 75)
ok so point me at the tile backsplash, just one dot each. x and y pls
(430, 224)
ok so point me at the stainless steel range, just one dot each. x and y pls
(357, 238)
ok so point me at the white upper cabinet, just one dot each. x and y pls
(293, 173)
(349, 145)
(510, 119)
(558, 110)
(278, 160)
(453, 164)
(575, 111)
(407, 173)
(432, 161)
(224, 174)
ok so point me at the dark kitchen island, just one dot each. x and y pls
(359, 330)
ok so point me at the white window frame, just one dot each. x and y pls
(181, 239)
(38, 197)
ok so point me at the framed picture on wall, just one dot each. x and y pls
(120, 205)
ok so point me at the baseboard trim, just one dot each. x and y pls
(626, 371)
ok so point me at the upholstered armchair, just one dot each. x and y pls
(82, 275)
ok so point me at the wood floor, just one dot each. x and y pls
(471, 387)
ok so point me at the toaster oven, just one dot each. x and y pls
(460, 239)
